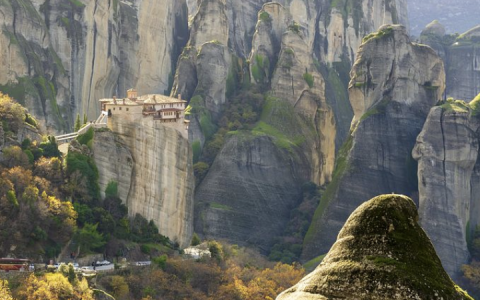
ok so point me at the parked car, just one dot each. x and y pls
(102, 263)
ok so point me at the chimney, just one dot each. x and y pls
(154, 98)
(132, 94)
(179, 96)
(114, 99)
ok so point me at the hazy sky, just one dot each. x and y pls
(456, 15)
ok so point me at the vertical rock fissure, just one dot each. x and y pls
(445, 189)
(93, 56)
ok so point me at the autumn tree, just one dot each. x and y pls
(5, 293)
(12, 114)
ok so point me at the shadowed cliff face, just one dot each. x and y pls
(63, 56)
(447, 152)
(381, 253)
(394, 84)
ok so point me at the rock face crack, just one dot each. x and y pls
(94, 49)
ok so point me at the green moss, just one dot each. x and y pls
(197, 150)
(386, 32)
(451, 105)
(220, 206)
(308, 79)
(359, 85)
(265, 17)
(77, 3)
(294, 27)
(377, 109)
(289, 51)
(65, 21)
(475, 106)
(197, 108)
(260, 68)
(280, 139)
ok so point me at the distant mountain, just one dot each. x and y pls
(457, 16)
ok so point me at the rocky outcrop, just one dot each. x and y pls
(390, 100)
(64, 56)
(463, 66)
(348, 22)
(462, 62)
(306, 107)
(153, 168)
(447, 151)
(381, 253)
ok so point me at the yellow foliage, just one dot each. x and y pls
(55, 286)
(5, 291)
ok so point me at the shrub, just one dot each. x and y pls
(265, 16)
(111, 190)
(160, 261)
(195, 240)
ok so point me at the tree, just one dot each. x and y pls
(12, 114)
(89, 238)
(195, 240)
(78, 125)
(5, 291)
(14, 156)
(49, 147)
(85, 120)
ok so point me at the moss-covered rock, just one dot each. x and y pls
(381, 253)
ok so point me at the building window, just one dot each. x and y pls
(114, 108)
(127, 108)
(119, 108)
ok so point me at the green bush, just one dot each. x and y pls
(85, 138)
(160, 261)
(50, 148)
(87, 168)
(29, 119)
(112, 189)
(195, 240)
(88, 238)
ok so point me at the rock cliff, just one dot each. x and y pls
(447, 151)
(263, 187)
(394, 84)
(306, 114)
(152, 165)
(63, 56)
(381, 253)
(460, 54)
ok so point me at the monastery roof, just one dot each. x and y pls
(145, 99)
(160, 99)
(123, 101)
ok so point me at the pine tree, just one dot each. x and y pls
(78, 125)
(85, 119)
